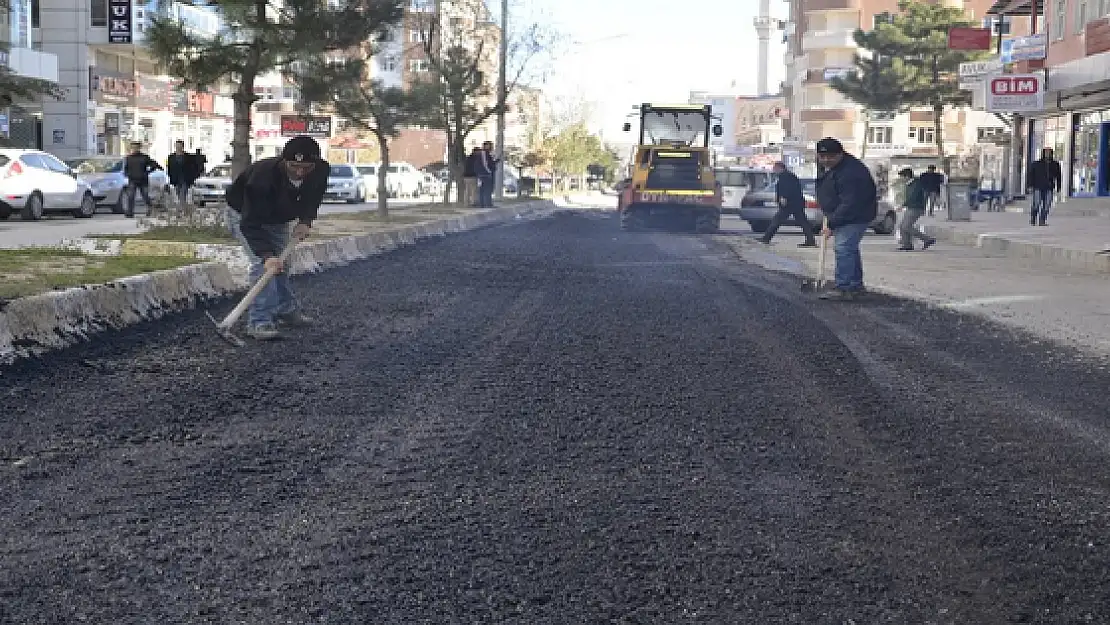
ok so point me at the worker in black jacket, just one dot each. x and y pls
(792, 205)
(849, 200)
(1043, 181)
(137, 167)
(264, 201)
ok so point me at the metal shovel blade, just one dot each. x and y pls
(226, 333)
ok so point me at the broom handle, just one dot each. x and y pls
(824, 249)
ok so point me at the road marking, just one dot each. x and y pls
(991, 301)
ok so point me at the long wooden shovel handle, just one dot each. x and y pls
(824, 249)
(233, 317)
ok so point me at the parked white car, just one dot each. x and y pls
(104, 174)
(404, 180)
(369, 174)
(34, 183)
(212, 187)
(345, 184)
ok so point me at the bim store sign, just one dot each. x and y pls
(317, 127)
(1015, 93)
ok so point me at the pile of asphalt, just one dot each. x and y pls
(555, 422)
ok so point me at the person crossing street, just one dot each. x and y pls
(137, 167)
(792, 205)
(917, 199)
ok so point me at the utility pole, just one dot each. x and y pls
(502, 94)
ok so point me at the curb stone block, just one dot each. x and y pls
(41, 323)
(1046, 253)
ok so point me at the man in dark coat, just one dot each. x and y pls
(931, 182)
(264, 202)
(1043, 181)
(849, 200)
(792, 206)
(137, 167)
(182, 169)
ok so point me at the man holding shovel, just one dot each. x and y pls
(264, 201)
(849, 199)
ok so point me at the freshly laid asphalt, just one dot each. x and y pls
(557, 422)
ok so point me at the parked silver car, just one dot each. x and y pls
(212, 187)
(759, 207)
(105, 175)
(345, 184)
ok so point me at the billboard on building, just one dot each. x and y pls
(318, 127)
(120, 28)
(1015, 93)
(969, 39)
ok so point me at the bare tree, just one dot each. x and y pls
(459, 42)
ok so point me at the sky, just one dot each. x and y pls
(703, 49)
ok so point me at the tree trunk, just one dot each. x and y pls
(938, 130)
(383, 177)
(241, 128)
(458, 166)
(866, 130)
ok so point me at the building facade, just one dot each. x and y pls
(21, 124)
(820, 46)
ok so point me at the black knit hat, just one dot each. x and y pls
(828, 145)
(301, 148)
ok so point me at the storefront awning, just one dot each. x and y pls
(1015, 7)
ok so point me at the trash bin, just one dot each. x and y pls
(962, 198)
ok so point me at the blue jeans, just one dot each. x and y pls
(1042, 201)
(849, 262)
(277, 298)
(485, 191)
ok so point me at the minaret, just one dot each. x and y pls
(763, 27)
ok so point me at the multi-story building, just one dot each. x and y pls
(21, 124)
(115, 91)
(1076, 117)
(820, 46)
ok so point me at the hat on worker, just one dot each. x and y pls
(301, 148)
(828, 145)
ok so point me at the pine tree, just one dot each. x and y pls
(260, 37)
(919, 35)
(877, 80)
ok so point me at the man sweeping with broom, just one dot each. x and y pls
(264, 202)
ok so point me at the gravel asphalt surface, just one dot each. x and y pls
(556, 422)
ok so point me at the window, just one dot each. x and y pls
(418, 65)
(1081, 16)
(988, 135)
(880, 135)
(422, 6)
(1059, 19)
(922, 134)
(388, 36)
(34, 13)
(388, 63)
(991, 22)
(98, 13)
(416, 36)
(882, 116)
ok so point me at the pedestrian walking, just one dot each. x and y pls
(1043, 181)
(137, 167)
(182, 169)
(470, 177)
(914, 209)
(201, 162)
(849, 199)
(792, 205)
(932, 181)
(264, 202)
(487, 175)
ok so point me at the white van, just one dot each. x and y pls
(736, 182)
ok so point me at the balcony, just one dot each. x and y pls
(828, 39)
(810, 6)
(834, 113)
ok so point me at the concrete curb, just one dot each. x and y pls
(1044, 253)
(34, 325)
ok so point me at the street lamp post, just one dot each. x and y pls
(502, 94)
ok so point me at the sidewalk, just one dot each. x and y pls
(1076, 238)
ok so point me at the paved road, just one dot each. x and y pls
(54, 229)
(555, 422)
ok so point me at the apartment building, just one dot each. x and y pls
(21, 124)
(1076, 118)
(820, 46)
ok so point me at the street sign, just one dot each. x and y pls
(969, 39)
(1015, 93)
(980, 68)
(1030, 48)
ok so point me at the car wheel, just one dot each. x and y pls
(33, 209)
(5, 211)
(759, 227)
(87, 208)
(887, 225)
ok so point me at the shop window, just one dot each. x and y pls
(880, 135)
(98, 13)
(922, 134)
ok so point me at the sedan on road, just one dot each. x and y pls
(345, 184)
(759, 207)
(212, 187)
(104, 174)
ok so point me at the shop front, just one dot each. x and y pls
(1090, 165)
(114, 94)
